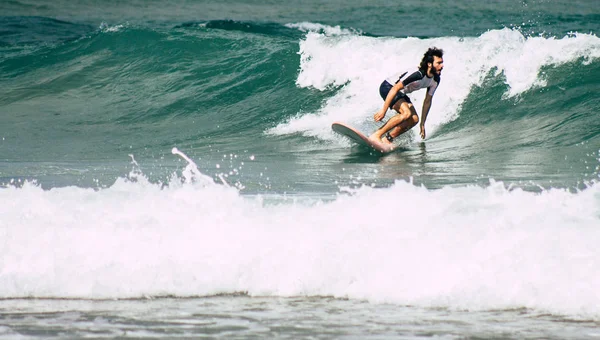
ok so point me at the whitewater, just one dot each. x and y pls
(469, 247)
(357, 64)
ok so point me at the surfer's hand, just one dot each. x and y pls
(379, 115)
(422, 132)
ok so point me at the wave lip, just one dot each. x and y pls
(323, 29)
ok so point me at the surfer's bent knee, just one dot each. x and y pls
(406, 110)
(415, 118)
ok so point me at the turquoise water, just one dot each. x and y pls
(183, 149)
(81, 95)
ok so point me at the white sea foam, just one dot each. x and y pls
(357, 65)
(104, 27)
(469, 247)
(324, 29)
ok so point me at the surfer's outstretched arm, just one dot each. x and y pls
(425, 111)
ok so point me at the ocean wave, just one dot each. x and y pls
(137, 89)
(35, 30)
(357, 64)
(472, 248)
(244, 26)
(324, 29)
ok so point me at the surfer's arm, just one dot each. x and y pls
(388, 101)
(425, 112)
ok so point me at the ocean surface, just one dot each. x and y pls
(168, 170)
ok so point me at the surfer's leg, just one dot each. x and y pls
(406, 124)
(404, 113)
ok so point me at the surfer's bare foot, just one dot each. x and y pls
(386, 141)
(375, 139)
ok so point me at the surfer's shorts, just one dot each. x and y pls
(385, 88)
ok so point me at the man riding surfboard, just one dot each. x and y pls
(394, 92)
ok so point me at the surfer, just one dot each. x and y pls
(394, 92)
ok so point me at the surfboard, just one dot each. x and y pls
(358, 137)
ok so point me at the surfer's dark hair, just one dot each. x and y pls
(428, 57)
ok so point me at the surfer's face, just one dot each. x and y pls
(437, 66)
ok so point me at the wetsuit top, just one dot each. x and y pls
(415, 81)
